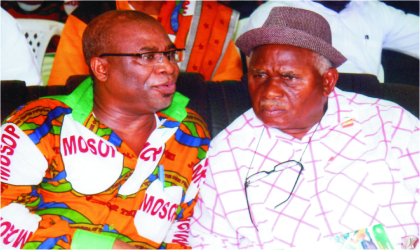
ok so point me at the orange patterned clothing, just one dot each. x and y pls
(62, 170)
(204, 28)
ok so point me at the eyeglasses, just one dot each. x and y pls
(293, 168)
(154, 58)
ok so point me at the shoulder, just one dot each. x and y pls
(195, 125)
(241, 129)
(362, 102)
(37, 112)
(7, 19)
(374, 110)
(369, 4)
(374, 9)
(194, 117)
(11, 29)
(192, 127)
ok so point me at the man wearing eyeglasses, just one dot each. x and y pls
(309, 165)
(115, 164)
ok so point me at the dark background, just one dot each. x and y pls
(400, 68)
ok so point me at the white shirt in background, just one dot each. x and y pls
(17, 59)
(359, 32)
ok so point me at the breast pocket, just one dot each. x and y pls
(158, 211)
(92, 164)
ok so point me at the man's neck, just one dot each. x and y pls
(133, 129)
(296, 133)
(299, 133)
(148, 7)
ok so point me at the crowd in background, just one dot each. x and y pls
(398, 67)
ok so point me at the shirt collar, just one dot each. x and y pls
(339, 112)
(81, 103)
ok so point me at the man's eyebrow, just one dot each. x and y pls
(290, 72)
(154, 49)
(257, 70)
(149, 49)
(171, 46)
(286, 72)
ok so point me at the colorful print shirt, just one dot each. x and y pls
(360, 168)
(62, 170)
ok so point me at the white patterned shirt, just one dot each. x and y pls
(361, 168)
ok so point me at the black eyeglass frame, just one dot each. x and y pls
(268, 173)
(164, 53)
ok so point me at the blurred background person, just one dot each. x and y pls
(17, 60)
(204, 28)
(55, 12)
(360, 30)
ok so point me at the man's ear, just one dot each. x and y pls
(99, 67)
(329, 80)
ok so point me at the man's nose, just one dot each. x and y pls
(165, 65)
(273, 88)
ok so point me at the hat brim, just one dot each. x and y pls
(288, 36)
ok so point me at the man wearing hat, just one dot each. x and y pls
(309, 165)
(360, 30)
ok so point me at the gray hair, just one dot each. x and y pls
(322, 63)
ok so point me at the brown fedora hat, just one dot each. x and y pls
(296, 27)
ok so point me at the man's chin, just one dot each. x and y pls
(276, 123)
(276, 126)
(273, 120)
(166, 101)
(169, 95)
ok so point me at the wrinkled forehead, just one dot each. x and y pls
(278, 53)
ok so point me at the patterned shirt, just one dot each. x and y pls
(360, 169)
(62, 170)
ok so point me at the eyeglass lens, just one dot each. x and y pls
(157, 57)
(260, 187)
(280, 167)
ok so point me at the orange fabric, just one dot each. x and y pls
(69, 59)
(165, 16)
(123, 5)
(201, 40)
(230, 67)
(184, 23)
(184, 28)
(219, 29)
(207, 48)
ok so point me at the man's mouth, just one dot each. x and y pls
(166, 88)
(273, 111)
(272, 107)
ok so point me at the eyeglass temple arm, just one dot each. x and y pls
(247, 202)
